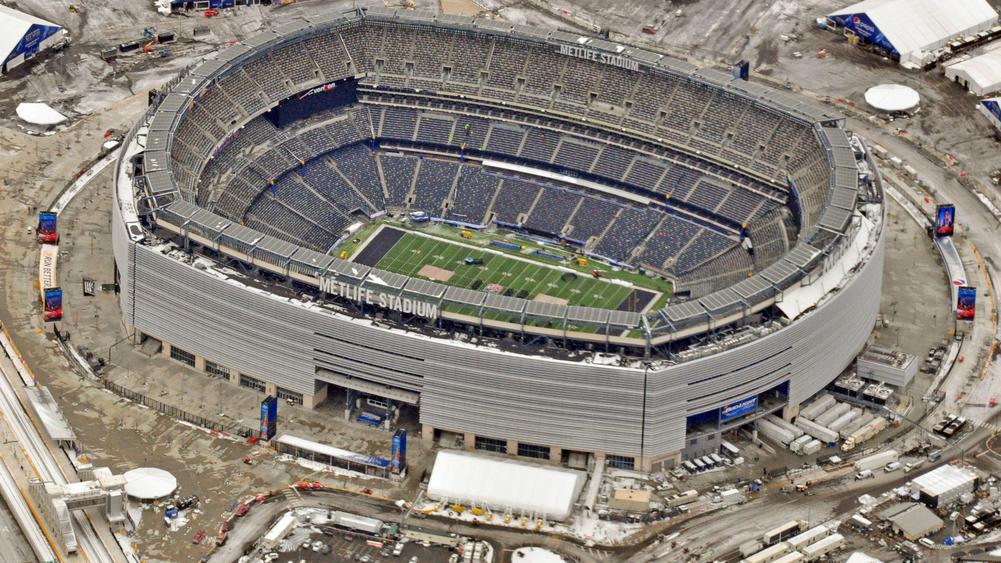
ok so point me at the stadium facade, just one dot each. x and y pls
(208, 266)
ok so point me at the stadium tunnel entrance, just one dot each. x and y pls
(704, 431)
(367, 402)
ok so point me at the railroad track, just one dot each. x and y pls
(43, 464)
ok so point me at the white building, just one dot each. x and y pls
(500, 484)
(980, 75)
(911, 30)
(944, 485)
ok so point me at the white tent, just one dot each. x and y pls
(39, 114)
(912, 29)
(980, 75)
(892, 98)
(22, 36)
(502, 484)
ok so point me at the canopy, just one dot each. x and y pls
(149, 483)
(892, 98)
(501, 484)
(39, 114)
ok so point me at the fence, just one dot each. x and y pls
(180, 414)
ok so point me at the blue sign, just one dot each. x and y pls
(862, 26)
(741, 71)
(32, 40)
(53, 307)
(945, 220)
(269, 417)
(47, 221)
(993, 107)
(966, 303)
(739, 408)
(399, 454)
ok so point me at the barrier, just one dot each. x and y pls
(180, 414)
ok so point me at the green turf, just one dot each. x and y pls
(523, 278)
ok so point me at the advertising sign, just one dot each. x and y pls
(47, 231)
(966, 303)
(739, 408)
(945, 220)
(53, 304)
(269, 417)
(399, 454)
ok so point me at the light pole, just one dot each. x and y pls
(119, 341)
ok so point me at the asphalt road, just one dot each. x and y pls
(504, 540)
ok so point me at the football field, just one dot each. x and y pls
(446, 262)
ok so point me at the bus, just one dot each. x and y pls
(691, 467)
(700, 466)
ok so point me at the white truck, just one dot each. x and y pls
(877, 461)
(864, 433)
(822, 433)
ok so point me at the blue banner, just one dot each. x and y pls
(269, 417)
(993, 107)
(47, 227)
(966, 303)
(945, 220)
(399, 453)
(32, 40)
(739, 408)
(862, 26)
(53, 304)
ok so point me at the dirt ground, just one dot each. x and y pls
(460, 7)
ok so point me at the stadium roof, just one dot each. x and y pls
(908, 28)
(501, 484)
(14, 25)
(980, 75)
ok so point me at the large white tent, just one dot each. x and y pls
(980, 75)
(913, 29)
(501, 484)
(22, 36)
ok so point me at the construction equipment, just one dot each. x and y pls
(466, 234)
(581, 261)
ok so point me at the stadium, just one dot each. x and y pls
(549, 244)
